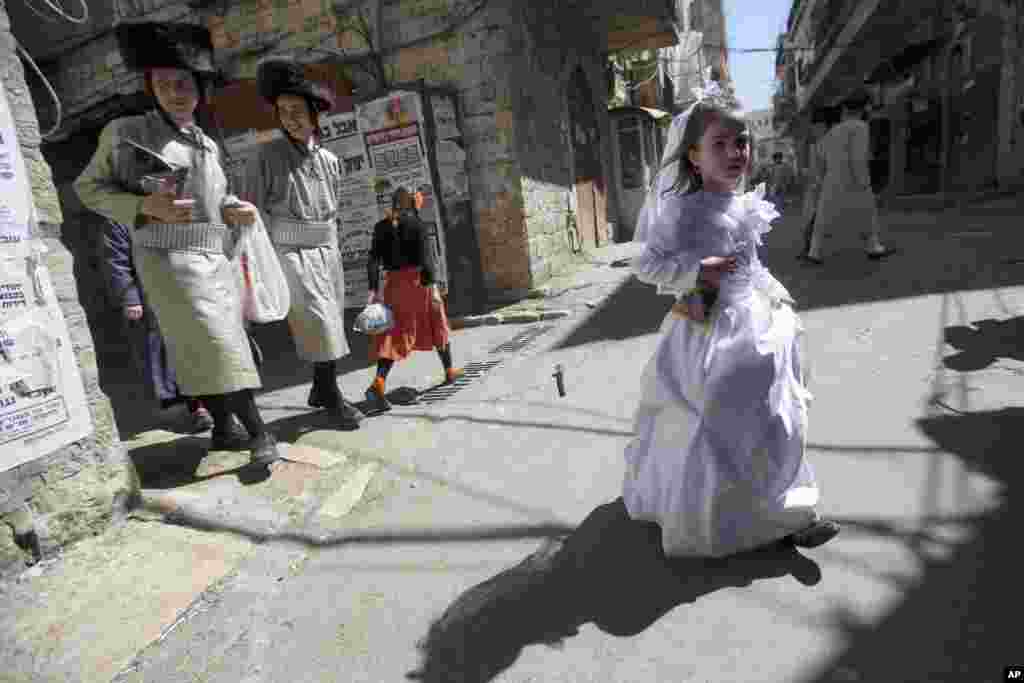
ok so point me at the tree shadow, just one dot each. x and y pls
(958, 623)
(984, 343)
(611, 571)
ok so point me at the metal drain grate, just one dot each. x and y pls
(522, 340)
(474, 371)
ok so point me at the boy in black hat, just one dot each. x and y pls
(160, 174)
(297, 185)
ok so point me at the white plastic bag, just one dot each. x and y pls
(262, 283)
(375, 319)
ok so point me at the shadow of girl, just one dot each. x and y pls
(611, 571)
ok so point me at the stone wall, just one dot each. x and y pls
(511, 65)
(557, 43)
(75, 492)
(510, 62)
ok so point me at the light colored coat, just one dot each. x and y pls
(297, 190)
(846, 205)
(193, 292)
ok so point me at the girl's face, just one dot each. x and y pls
(296, 119)
(177, 92)
(722, 155)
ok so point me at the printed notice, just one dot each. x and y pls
(42, 401)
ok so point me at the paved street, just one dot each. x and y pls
(917, 367)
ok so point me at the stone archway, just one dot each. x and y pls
(589, 181)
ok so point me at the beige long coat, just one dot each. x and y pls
(846, 206)
(298, 193)
(189, 281)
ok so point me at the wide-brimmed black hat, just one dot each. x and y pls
(278, 76)
(149, 45)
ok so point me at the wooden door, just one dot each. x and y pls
(590, 185)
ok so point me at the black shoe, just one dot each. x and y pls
(347, 414)
(818, 533)
(879, 255)
(807, 258)
(235, 439)
(200, 420)
(316, 398)
(263, 450)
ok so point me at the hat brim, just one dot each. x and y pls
(278, 76)
(321, 99)
(151, 45)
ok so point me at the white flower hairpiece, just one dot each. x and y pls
(709, 89)
(757, 213)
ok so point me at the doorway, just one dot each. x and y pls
(589, 183)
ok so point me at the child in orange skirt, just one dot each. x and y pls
(399, 247)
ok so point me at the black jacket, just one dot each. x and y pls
(405, 245)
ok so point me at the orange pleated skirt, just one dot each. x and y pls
(419, 324)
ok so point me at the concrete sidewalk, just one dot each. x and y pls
(83, 615)
(506, 450)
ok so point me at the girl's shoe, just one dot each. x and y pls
(818, 533)
(452, 374)
(376, 398)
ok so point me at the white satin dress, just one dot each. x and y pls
(718, 458)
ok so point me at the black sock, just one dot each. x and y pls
(325, 377)
(446, 356)
(243, 405)
(217, 405)
(384, 366)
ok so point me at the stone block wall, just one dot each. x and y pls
(74, 492)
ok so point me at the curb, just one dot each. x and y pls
(511, 318)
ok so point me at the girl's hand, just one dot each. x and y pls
(714, 267)
(690, 308)
(435, 297)
(240, 214)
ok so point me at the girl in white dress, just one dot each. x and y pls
(718, 458)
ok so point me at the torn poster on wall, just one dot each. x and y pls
(43, 405)
(42, 401)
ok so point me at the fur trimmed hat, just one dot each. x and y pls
(148, 45)
(278, 76)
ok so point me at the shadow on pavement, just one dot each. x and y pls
(985, 343)
(959, 623)
(174, 464)
(938, 253)
(632, 310)
(610, 571)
